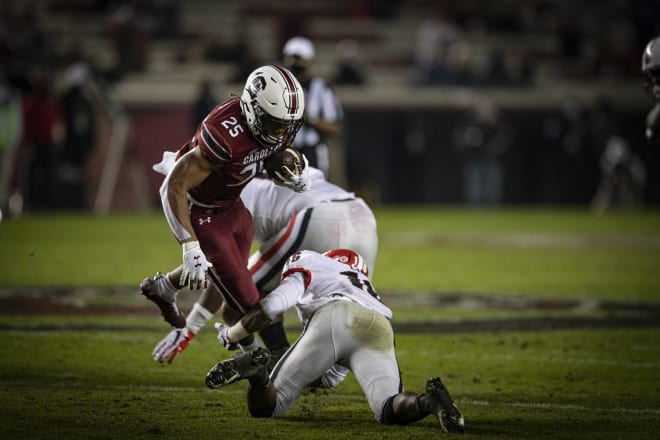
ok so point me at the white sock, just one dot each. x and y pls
(198, 316)
(166, 289)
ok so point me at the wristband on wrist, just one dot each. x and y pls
(190, 246)
(188, 334)
(197, 317)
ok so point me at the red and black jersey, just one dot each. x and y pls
(236, 156)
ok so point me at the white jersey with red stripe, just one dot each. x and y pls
(311, 280)
(272, 206)
(325, 217)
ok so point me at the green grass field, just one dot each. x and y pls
(543, 323)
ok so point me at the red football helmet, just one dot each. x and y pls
(350, 258)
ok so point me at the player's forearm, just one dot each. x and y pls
(178, 216)
(188, 172)
(255, 320)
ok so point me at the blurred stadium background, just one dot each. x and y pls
(561, 79)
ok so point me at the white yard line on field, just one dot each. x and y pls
(519, 239)
(554, 406)
(355, 397)
(539, 359)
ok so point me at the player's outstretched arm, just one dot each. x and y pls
(190, 170)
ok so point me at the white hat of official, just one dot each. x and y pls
(299, 46)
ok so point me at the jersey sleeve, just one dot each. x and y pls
(300, 262)
(283, 297)
(212, 143)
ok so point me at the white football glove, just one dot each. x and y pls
(195, 267)
(298, 183)
(223, 337)
(173, 344)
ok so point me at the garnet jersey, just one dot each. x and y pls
(323, 280)
(235, 155)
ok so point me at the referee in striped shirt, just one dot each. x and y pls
(323, 112)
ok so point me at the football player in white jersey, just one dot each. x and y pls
(324, 217)
(345, 323)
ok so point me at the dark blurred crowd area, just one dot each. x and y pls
(51, 94)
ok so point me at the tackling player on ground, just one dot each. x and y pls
(345, 323)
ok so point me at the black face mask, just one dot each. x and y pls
(298, 70)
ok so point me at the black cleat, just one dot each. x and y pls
(168, 308)
(240, 366)
(444, 408)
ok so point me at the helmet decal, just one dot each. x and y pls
(273, 105)
(293, 93)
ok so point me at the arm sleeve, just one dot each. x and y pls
(179, 231)
(284, 296)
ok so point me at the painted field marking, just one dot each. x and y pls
(539, 359)
(356, 397)
(567, 407)
(520, 240)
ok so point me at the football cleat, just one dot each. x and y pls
(240, 366)
(168, 308)
(275, 356)
(444, 408)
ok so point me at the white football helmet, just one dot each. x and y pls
(651, 67)
(273, 104)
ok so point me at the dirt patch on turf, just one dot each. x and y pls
(598, 314)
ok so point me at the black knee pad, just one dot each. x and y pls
(388, 416)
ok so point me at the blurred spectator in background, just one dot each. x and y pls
(481, 141)
(10, 133)
(36, 161)
(204, 102)
(571, 155)
(651, 71)
(217, 49)
(350, 70)
(623, 177)
(323, 112)
(237, 51)
(80, 125)
(131, 28)
(622, 173)
(434, 37)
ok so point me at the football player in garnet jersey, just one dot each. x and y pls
(651, 70)
(201, 193)
(326, 216)
(345, 323)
